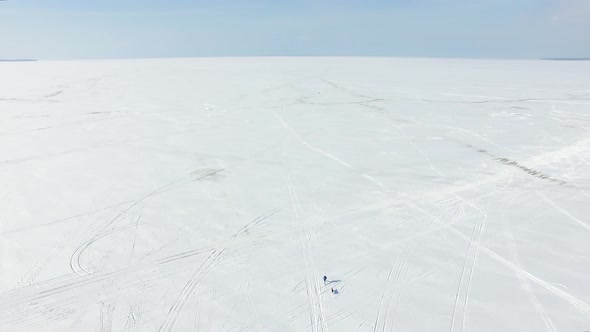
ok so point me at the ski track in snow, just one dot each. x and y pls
(188, 290)
(311, 279)
(524, 282)
(565, 212)
(580, 305)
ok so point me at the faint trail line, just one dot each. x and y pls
(260, 219)
(578, 221)
(479, 228)
(393, 292)
(327, 154)
(57, 93)
(402, 264)
(189, 289)
(474, 134)
(580, 305)
(384, 292)
(70, 282)
(401, 129)
(65, 219)
(524, 282)
(75, 257)
(316, 149)
(583, 160)
(352, 93)
(313, 291)
(254, 311)
(77, 321)
(462, 277)
(482, 228)
(12, 118)
(399, 296)
(134, 239)
(296, 211)
(577, 186)
(197, 318)
(10, 162)
(106, 317)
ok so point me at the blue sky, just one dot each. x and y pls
(81, 29)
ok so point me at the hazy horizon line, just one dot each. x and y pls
(299, 56)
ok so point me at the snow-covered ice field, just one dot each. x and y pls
(214, 195)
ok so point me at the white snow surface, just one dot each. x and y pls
(214, 194)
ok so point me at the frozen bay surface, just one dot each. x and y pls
(214, 195)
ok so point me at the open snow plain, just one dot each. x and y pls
(214, 195)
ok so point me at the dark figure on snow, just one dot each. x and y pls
(325, 279)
